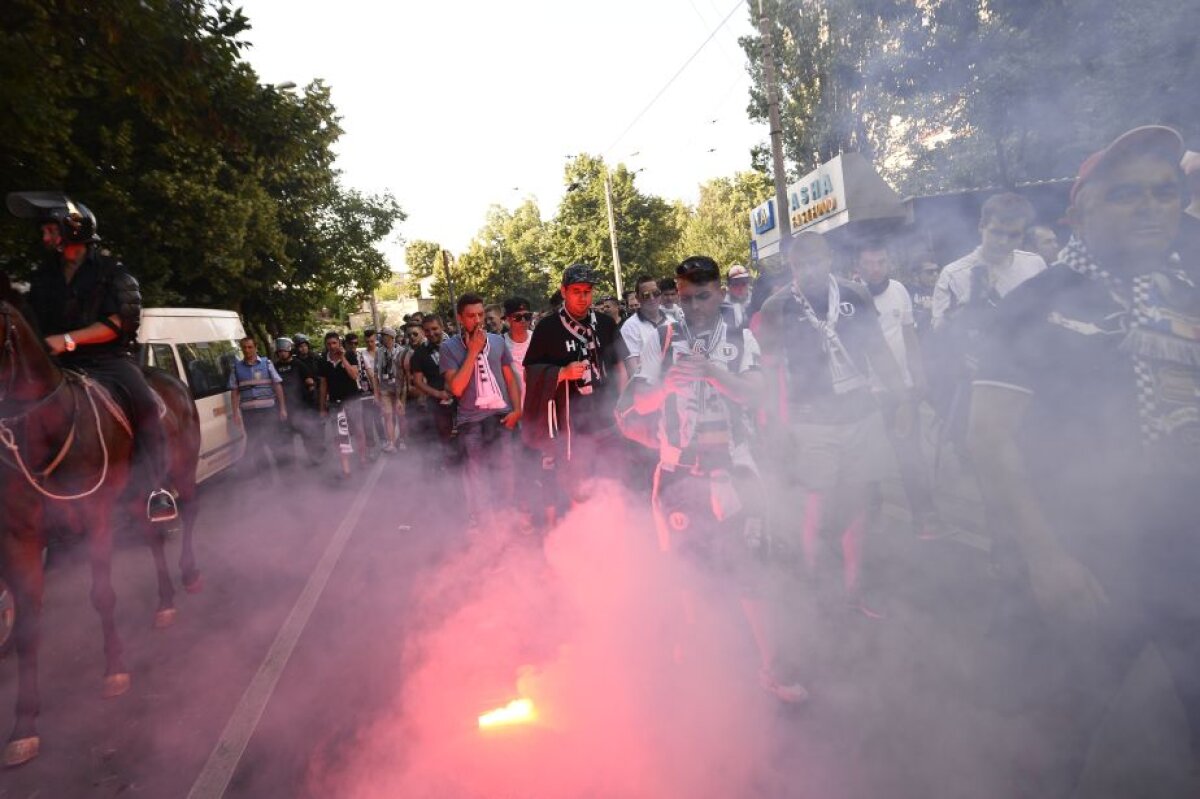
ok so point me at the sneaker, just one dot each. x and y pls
(161, 507)
(389, 448)
(789, 693)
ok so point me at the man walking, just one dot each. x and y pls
(573, 372)
(259, 407)
(479, 373)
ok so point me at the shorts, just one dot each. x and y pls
(826, 456)
(732, 548)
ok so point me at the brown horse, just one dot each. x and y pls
(65, 460)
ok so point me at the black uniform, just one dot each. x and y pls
(101, 288)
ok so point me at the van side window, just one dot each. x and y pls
(207, 365)
(161, 356)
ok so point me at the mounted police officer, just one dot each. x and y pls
(88, 306)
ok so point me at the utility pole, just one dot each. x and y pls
(612, 233)
(781, 204)
(446, 258)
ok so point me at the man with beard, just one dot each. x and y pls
(572, 371)
(479, 373)
(431, 383)
(822, 334)
(339, 391)
(707, 501)
(1085, 428)
(895, 309)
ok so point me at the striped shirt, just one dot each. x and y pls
(255, 383)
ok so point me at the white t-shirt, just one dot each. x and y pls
(517, 350)
(641, 339)
(895, 308)
(954, 283)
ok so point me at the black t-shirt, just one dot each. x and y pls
(307, 367)
(1115, 503)
(427, 359)
(552, 344)
(89, 298)
(788, 334)
(339, 385)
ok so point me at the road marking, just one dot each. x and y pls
(218, 770)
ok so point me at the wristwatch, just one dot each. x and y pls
(68, 342)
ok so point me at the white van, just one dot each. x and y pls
(199, 346)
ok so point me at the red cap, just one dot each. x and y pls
(1155, 138)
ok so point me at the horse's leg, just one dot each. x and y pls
(156, 540)
(104, 600)
(25, 579)
(193, 581)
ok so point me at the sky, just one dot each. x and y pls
(453, 107)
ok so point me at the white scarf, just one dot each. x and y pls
(846, 376)
(487, 391)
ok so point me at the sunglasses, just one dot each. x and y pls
(651, 295)
(523, 316)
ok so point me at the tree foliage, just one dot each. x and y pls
(719, 225)
(215, 189)
(954, 93)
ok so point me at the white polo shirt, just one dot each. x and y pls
(641, 339)
(954, 283)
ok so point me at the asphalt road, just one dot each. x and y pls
(272, 674)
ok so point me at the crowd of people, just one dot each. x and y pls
(1064, 376)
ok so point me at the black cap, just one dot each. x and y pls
(579, 273)
(515, 305)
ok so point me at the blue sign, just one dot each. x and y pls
(753, 251)
(763, 217)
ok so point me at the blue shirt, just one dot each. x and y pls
(255, 383)
(454, 352)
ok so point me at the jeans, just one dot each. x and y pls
(485, 448)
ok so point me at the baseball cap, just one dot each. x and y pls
(1147, 138)
(515, 305)
(387, 331)
(579, 273)
(739, 272)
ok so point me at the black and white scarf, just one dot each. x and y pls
(487, 390)
(845, 375)
(1162, 338)
(584, 335)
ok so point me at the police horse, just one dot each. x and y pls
(65, 462)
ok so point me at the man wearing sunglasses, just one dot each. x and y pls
(640, 332)
(520, 321)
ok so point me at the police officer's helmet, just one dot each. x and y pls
(300, 338)
(283, 344)
(76, 222)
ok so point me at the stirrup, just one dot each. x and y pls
(162, 514)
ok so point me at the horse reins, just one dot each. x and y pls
(8, 439)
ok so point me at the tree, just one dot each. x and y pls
(646, 225)
(719, 226)
(963, 93)
(419, 257)
(214, 189)
(508, 256)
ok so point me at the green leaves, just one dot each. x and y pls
(214, 189)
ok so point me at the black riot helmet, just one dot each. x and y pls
(283, 344)
(76, 223)
(299, 339)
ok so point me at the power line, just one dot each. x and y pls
(679, 72)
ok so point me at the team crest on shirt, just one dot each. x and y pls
(846, 308)
(725, 352)
(679, 521)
